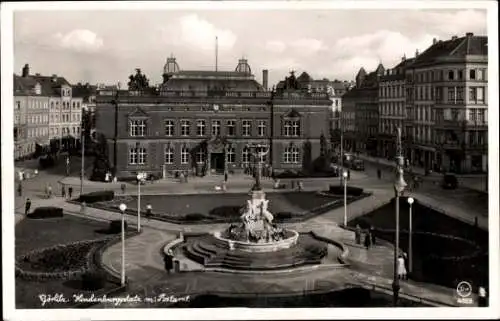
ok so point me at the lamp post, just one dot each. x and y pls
(410, 237)
(123, 207)
(140, 178)
(82, 173)
(341, 127)
(344, 175)
(399, 186)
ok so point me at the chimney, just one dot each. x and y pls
(469, 34)
(54, 77)
(265, 79)
(403, 58)
(454, 38)
(416, 53)
(434, 41)
(26, 71)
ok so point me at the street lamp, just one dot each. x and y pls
(140, 178)
(123, 208)
(344, 175)
(410, 236)
(399, 186)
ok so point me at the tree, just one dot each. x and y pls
(101, 160)
(138, 82)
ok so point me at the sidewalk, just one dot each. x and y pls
(472, 181)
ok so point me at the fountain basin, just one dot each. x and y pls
(289, 241)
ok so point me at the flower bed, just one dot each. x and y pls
(351, 190)
(58, 262)
(100, 196)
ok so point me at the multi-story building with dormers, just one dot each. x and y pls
(204, 122)
(44, 110)
(447, 105)
(360, 112)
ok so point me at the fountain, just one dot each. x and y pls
(256, 243)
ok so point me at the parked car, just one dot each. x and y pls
(357, 165)
(450, 181)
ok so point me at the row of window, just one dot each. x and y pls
(391, 91)
(450, 74)
(138, 155)
(65, 118)
(34, 104)
(455, 95)
(37, 132)
(392, 108)
(138, 128)
(54, 131)
(65, 104)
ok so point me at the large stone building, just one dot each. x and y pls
(360, 114)
(392, 108)
(44, 109)
(204, 122)
(447, 105)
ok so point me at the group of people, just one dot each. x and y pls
(369, 236)
(70, 192)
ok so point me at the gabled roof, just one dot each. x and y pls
(455, 47)
(51, 86)
(304, 77)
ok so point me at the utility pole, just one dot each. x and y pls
(82, 172)
(115, 145)
(271, 131)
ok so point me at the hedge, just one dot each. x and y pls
(100, 196)
(115, 226)
(46, 212)
(351, 190)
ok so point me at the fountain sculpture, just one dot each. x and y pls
(257, 232)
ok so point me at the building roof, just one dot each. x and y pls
(50, 86)
(84, 91)
(202, 80)
(455, 47)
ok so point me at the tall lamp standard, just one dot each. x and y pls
(123, 208)
(344, 175)
(140, 179)
(410, 237)
(399, 186)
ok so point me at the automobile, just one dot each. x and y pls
(449, 181)
(357, 165)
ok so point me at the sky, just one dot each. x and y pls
(106, 46)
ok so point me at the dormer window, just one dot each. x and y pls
(38, 89)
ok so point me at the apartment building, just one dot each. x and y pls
(447, 105)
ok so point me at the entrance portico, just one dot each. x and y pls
(216, 155)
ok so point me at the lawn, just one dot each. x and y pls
(34, 234)
(438, 243)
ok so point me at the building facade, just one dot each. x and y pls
(205, 122)
(392, 108)
(447, 105)
(360, 114)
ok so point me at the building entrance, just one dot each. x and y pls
(217, 163)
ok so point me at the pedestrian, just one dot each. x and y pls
(402, 275)
(20, 189)
(49, 191)
(482, 297)
(225, 177)
(169, 261)
(372, 234)
(63, 191)
(379, 173)
(181, 177)
(368, 240)
(27, 206)
(186, 177)
(123, 187)
(348, 174)
(70, 192)
(300, 186)
(357, 234)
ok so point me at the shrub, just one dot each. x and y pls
(93, 280)
(100, 196)
(115, 226)
(226, 211)
(351, 190)
(46, 212)
(194, 217)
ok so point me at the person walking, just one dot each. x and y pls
(20, 189)
(169, 261)
(49, 191)
(357, 234)
(27, 206)
(63, 191)
(482, 297)
(402, 275)
(379, 173)
(348, 174)
(368, 240)
(123, 187)
(225, 177)
(372, 234)
(70, 192)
